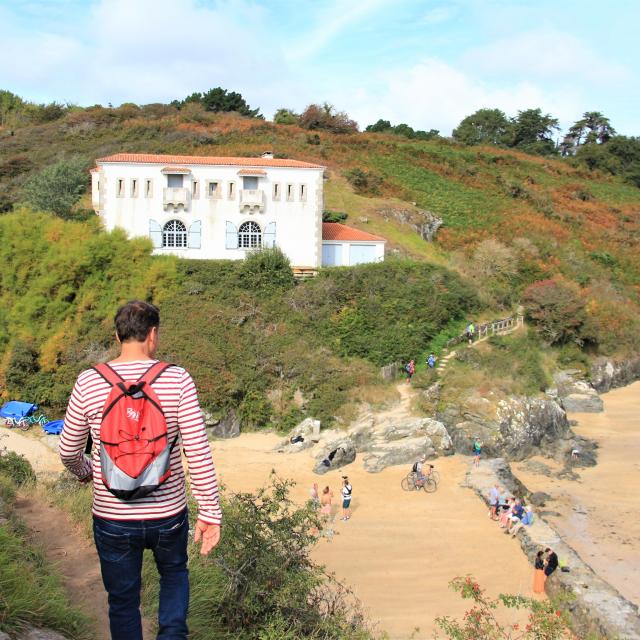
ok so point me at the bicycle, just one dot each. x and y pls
(39, 419)
(21, 423)
(411, 483)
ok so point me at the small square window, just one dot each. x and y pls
(276, 191)
(134, 188)
(196, 189)
(148, 188)
(232, 191)
(120, 188)
(303, 192)
(289, 193)
(212, 189)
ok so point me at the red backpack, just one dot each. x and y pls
(134, 448)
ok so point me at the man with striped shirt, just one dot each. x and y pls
(158, 521)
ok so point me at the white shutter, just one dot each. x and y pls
(155, 233)
(232, 236)
(195, 234)
(269, 238)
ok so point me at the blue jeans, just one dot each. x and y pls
(120, 546)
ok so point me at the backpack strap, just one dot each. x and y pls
(154, 372)
(108, 374)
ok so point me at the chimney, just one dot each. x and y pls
(267, 155)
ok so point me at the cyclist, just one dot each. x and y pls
(418, 470)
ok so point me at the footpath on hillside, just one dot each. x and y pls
(65, 545)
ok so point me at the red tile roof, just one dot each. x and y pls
(336, 231)
(252, 172)
(175, 170)
(151, 158)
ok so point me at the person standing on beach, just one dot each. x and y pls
(494, 501)
(477, 451)
(145, 508)
(539, 576)
(346, 498)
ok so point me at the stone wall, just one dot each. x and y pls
(596, 608)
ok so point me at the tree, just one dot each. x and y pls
(485, 126)
(592, 128)
(221, 100)
(57, 187)
(532, 131)
(285, 116)
(557, 309)
(325, 117)
(379, 127)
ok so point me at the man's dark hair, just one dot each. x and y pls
(135, 319)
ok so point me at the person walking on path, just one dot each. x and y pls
(470, 332)
(431, 361)
(346, 498)
(137, 505)
(410, 369)
(538, 575)
(477, 451)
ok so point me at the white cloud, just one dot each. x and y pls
(434, 94)
(438, 15)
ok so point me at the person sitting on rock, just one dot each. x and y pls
(527, 521)
(517, 513)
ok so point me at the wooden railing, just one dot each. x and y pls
(488, 329)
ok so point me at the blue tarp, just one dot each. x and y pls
(14, 409)
(54, 427)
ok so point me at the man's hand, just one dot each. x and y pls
(209, 534)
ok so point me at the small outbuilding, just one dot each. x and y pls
(344, 246)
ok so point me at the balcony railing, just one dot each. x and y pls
(176, 197)
(251, 199)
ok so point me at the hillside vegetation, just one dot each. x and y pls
(517, 228)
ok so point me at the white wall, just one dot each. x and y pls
(344, 252)
(298, 223)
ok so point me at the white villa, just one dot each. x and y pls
(221, 207)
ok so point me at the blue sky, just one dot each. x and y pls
(427, 63)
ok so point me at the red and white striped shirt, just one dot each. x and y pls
(179, 400)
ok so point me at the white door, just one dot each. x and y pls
(331, 254)
(361, 253)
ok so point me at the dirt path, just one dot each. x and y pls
(72, 554)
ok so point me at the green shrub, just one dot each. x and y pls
(364, 182)
(58, 187)
(266, 270)
(334, 216)
(16, 467)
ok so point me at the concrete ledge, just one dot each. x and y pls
(596, 608)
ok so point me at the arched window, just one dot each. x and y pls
(249, 236)
(174, 234)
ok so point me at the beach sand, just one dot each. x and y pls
(599, 515)
(399, 550)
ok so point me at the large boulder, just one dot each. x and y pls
(334, 454)
(228, 427)
(608, 374)
(404, 451)
(528, 426)
(574, 394)
(415, 427)
(303, 436)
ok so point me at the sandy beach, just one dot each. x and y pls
(399, 550)
(598, 514)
